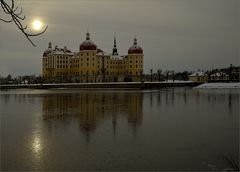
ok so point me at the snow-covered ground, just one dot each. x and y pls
(219, 85)
(104, 83)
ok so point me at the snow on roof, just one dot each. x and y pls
(99, 50)
(116, 57)
(198, 74)
(219, 74)
(61, 51)
(88, 42)
(102, 53)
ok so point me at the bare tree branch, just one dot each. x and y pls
(17, 17)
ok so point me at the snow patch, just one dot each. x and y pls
(219, 85)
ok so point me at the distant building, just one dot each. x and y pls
(92, 64)
(198, 77)
(219, 76)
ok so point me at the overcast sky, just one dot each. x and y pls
(174, 34)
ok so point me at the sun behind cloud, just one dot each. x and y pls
(37, 25)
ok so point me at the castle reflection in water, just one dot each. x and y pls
(90, 108)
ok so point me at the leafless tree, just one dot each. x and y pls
(16, 16)
(151, 73)
(159, 74)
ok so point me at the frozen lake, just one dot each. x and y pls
(165, 129)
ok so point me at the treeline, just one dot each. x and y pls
(153, 75)
(27, 79)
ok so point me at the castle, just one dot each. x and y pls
(92, 64)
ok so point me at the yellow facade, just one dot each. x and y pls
(91, 64)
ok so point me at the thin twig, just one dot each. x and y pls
(16, 17)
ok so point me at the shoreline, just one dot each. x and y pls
(111, 85)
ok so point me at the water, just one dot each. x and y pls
(166, 129)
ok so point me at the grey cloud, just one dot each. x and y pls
(175, 34)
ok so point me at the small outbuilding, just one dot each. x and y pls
(198, 77)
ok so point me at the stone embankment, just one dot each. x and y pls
(112, 85)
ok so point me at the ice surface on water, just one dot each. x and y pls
(220, 85)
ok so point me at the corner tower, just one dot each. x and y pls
(135, 59)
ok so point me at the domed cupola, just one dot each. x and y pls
(88, 44)
(49, 50)
(135, 48)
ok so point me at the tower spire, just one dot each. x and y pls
(50, 44)
(135, 40)
(88, 35)
(115, 44)
(115, 51)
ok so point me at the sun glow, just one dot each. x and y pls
(37, 25)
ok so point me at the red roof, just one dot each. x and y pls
(135, 49)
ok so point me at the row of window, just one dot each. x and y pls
(93, 73)
(111, 67)
(116, 62)
(63, 66)
(77, 65)
(135, 57)
(77, 60)
(136, 61)
(98, 62)
(121, 67)
(81, 54)
(96, 73)
(60, 59)
(131, 66)
(62, 73)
